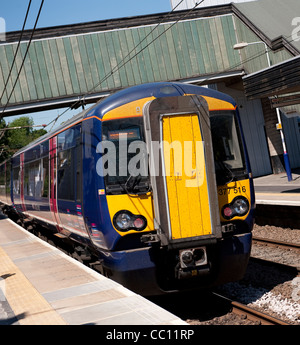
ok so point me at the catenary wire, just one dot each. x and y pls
(122, 63)
(16, 52)
(232, 67)
(24, 58)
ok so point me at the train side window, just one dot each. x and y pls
(8, 177)
(26, 179)
(78, 155)
(36, 178)
(2, 180)
(45, 177)
(32, 179)
(69, 164)
(65, 175)
(16, 180)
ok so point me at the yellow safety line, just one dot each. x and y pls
(29, 307)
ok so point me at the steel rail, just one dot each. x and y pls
(275, 243)
(255, 315)
(250, 313)
(278, 243)
(285, 267)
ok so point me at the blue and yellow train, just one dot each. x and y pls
(151, 186)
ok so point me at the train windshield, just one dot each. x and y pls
(125, 159)
(228, 149)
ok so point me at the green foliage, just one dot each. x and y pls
(14, 139)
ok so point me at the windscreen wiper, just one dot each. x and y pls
(114, 188)
(223, 174)
(135, 182)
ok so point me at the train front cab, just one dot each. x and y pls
(209, 248)
(197, 234)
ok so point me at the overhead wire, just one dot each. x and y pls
(242, 62)
(16, 52)
(122, 63)
(116, 68)
(24, 58)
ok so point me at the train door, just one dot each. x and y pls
(53, 180)
(22, 181)
(8, 184)
(182, 170)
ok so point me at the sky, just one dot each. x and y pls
(64, 12)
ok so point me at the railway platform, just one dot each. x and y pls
(277, 190)
(40, 285)
(278, 200)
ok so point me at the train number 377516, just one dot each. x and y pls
(232, 190)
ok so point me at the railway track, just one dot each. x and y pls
(276, 243)
(281, 245)
(250, 313)
(278, 265)
(255, 315)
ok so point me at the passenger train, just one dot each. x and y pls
(151, 186)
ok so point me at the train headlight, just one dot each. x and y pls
(241, 206)
(237, 208)
(125, 221)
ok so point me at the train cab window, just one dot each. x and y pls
(227, 145)
(125, 164)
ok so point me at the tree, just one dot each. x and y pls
(14, 139)
(3, 141)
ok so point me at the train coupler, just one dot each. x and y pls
(193, 262)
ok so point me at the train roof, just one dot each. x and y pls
(68, 123)
(130, 94)
(157, 90)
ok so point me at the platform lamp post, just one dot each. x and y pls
(243, 45)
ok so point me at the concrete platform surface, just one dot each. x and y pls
(40, 285)
(277, 190)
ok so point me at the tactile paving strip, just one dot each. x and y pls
(29, 307)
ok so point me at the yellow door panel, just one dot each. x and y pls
(186, 183)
